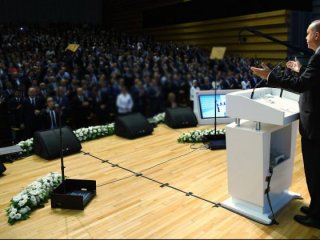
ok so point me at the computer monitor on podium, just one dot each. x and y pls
(204, 106)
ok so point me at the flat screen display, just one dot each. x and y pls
(207, 106)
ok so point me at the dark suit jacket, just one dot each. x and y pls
(80, 113)
(15, 111)
(308, 85)
(46, 119)
(31, 121)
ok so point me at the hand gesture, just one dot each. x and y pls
(261, 72)
(294, 66)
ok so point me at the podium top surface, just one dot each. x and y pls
(266, 106)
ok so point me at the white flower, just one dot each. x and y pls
(13, 210)
(21, 203)
(33, 200)
(12, 215)
(17, 216)
(25, 197)
(17, 198)
(23, 210)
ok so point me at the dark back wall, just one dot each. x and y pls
(56, 11)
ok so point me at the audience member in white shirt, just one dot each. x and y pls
(124, 101)
(193, 89)
(245, 84)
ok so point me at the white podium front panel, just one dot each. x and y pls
(266, 106)
(250, 154)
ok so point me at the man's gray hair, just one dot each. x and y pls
(315, 25)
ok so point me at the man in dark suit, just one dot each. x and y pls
(50, 117)
(31, 106)
(15, 113)
(5, 133)
(81, 110)
(308, 85)
(63, 104)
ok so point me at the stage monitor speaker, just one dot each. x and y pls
(132, 126)
(2, 168)
(180, 117)
(47, 143)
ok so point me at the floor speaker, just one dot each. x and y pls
(47, 143)
(180, 117)
(132, 126)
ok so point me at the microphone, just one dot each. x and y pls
(285, 59)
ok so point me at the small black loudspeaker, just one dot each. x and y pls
(132, 126)
(180, 117)
(47, 143)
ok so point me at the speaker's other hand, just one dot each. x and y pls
(294, 65)
(261, 72)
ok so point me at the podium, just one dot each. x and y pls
(263, 137)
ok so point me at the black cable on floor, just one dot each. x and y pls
(162, 185)
(151, 179)
(185, 154)
(118, 180)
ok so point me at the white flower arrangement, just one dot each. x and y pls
(27, 145)
(159, 118)
(196, 136)
(32, 197)
(94, 132)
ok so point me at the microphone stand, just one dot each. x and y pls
(218, 141)
(215, 110)
(80, 192)
(61, 152)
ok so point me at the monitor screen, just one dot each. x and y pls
(203, 106)
(207, 106)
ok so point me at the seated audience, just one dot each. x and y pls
(88, 86)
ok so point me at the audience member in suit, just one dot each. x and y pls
(63, 103)
(308, 85)
(100, 106)
(206, 85)
(15, 79)
(32, 106)
(8, 92)
(15, 112)
(50, 116)
(41, 98)
(5, 133)
(43, 92)
(138, 94)
(81, 110)
(155, 97)
(171, 101)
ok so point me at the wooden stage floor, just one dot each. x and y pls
(127, 206)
